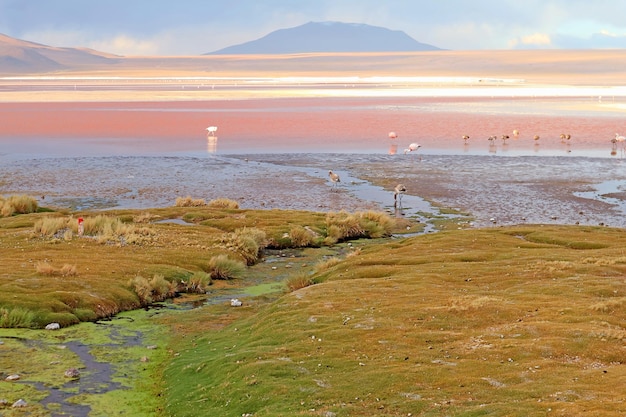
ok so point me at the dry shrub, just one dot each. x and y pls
(111, 229)
(248, 242)
(17, 204)
(325, 265)
(301, 237)
(45, 268)
(157, 289)
(49, 226)
(299, 280)
(190, 202)
(198, 283)
(222, 267)
(342, 225)
(225, 203)
(369, 224)
(144, 217)
(376, 224)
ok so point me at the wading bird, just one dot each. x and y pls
(412, 147)
(465, 138)
(211, 130)
(398, 192)
(393, 135)
(515, 132)
(565, 136)
(334, 178)
(536, 137)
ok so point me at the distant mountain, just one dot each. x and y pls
(18, 56)
(329, 37)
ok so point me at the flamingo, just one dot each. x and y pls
(334, 178)
(504, 138)
(536, 137)
(393, 135)
(565, 136)
(398, 192)
(465, 138)
(619, 138)
(412, 147)
(515, 132)
(211, 130)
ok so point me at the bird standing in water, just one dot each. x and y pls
(334, 178)
(398, 192)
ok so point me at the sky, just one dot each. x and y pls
(193, 27)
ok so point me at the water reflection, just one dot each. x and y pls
(211, 144)
(393, 149)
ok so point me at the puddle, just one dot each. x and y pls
(602, 192)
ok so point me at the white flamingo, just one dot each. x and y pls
(398, 192)
(334, 178)
(619, 138)
(515, 132)
(211, 130)
(412, 147)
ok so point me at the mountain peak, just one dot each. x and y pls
(329, 36)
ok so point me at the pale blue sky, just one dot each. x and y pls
(191, 27)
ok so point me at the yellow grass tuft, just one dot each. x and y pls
(45, 268)
(17, 204)
(190, 202)
(223, 203)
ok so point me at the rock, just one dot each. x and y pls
(72, 373)
(235, 302)
(13, 377)
(53, 326)
(144, 359)
(151, 347)
(4, 402)
(19, 403)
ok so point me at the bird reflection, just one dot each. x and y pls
(211, 144)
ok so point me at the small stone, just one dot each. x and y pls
(144, 359)
(19, 403)
(235, 302)
(13, 377)
(72, 373)
(151, 347)
(53, 326)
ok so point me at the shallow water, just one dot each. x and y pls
(276, 153)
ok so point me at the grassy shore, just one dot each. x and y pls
(522, 321)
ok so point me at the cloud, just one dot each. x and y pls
(533, 41)
(126, 45)
(599, 40)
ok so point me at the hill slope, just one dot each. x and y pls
(19, 56)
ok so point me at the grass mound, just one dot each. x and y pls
(126, 259)
(473, 322)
